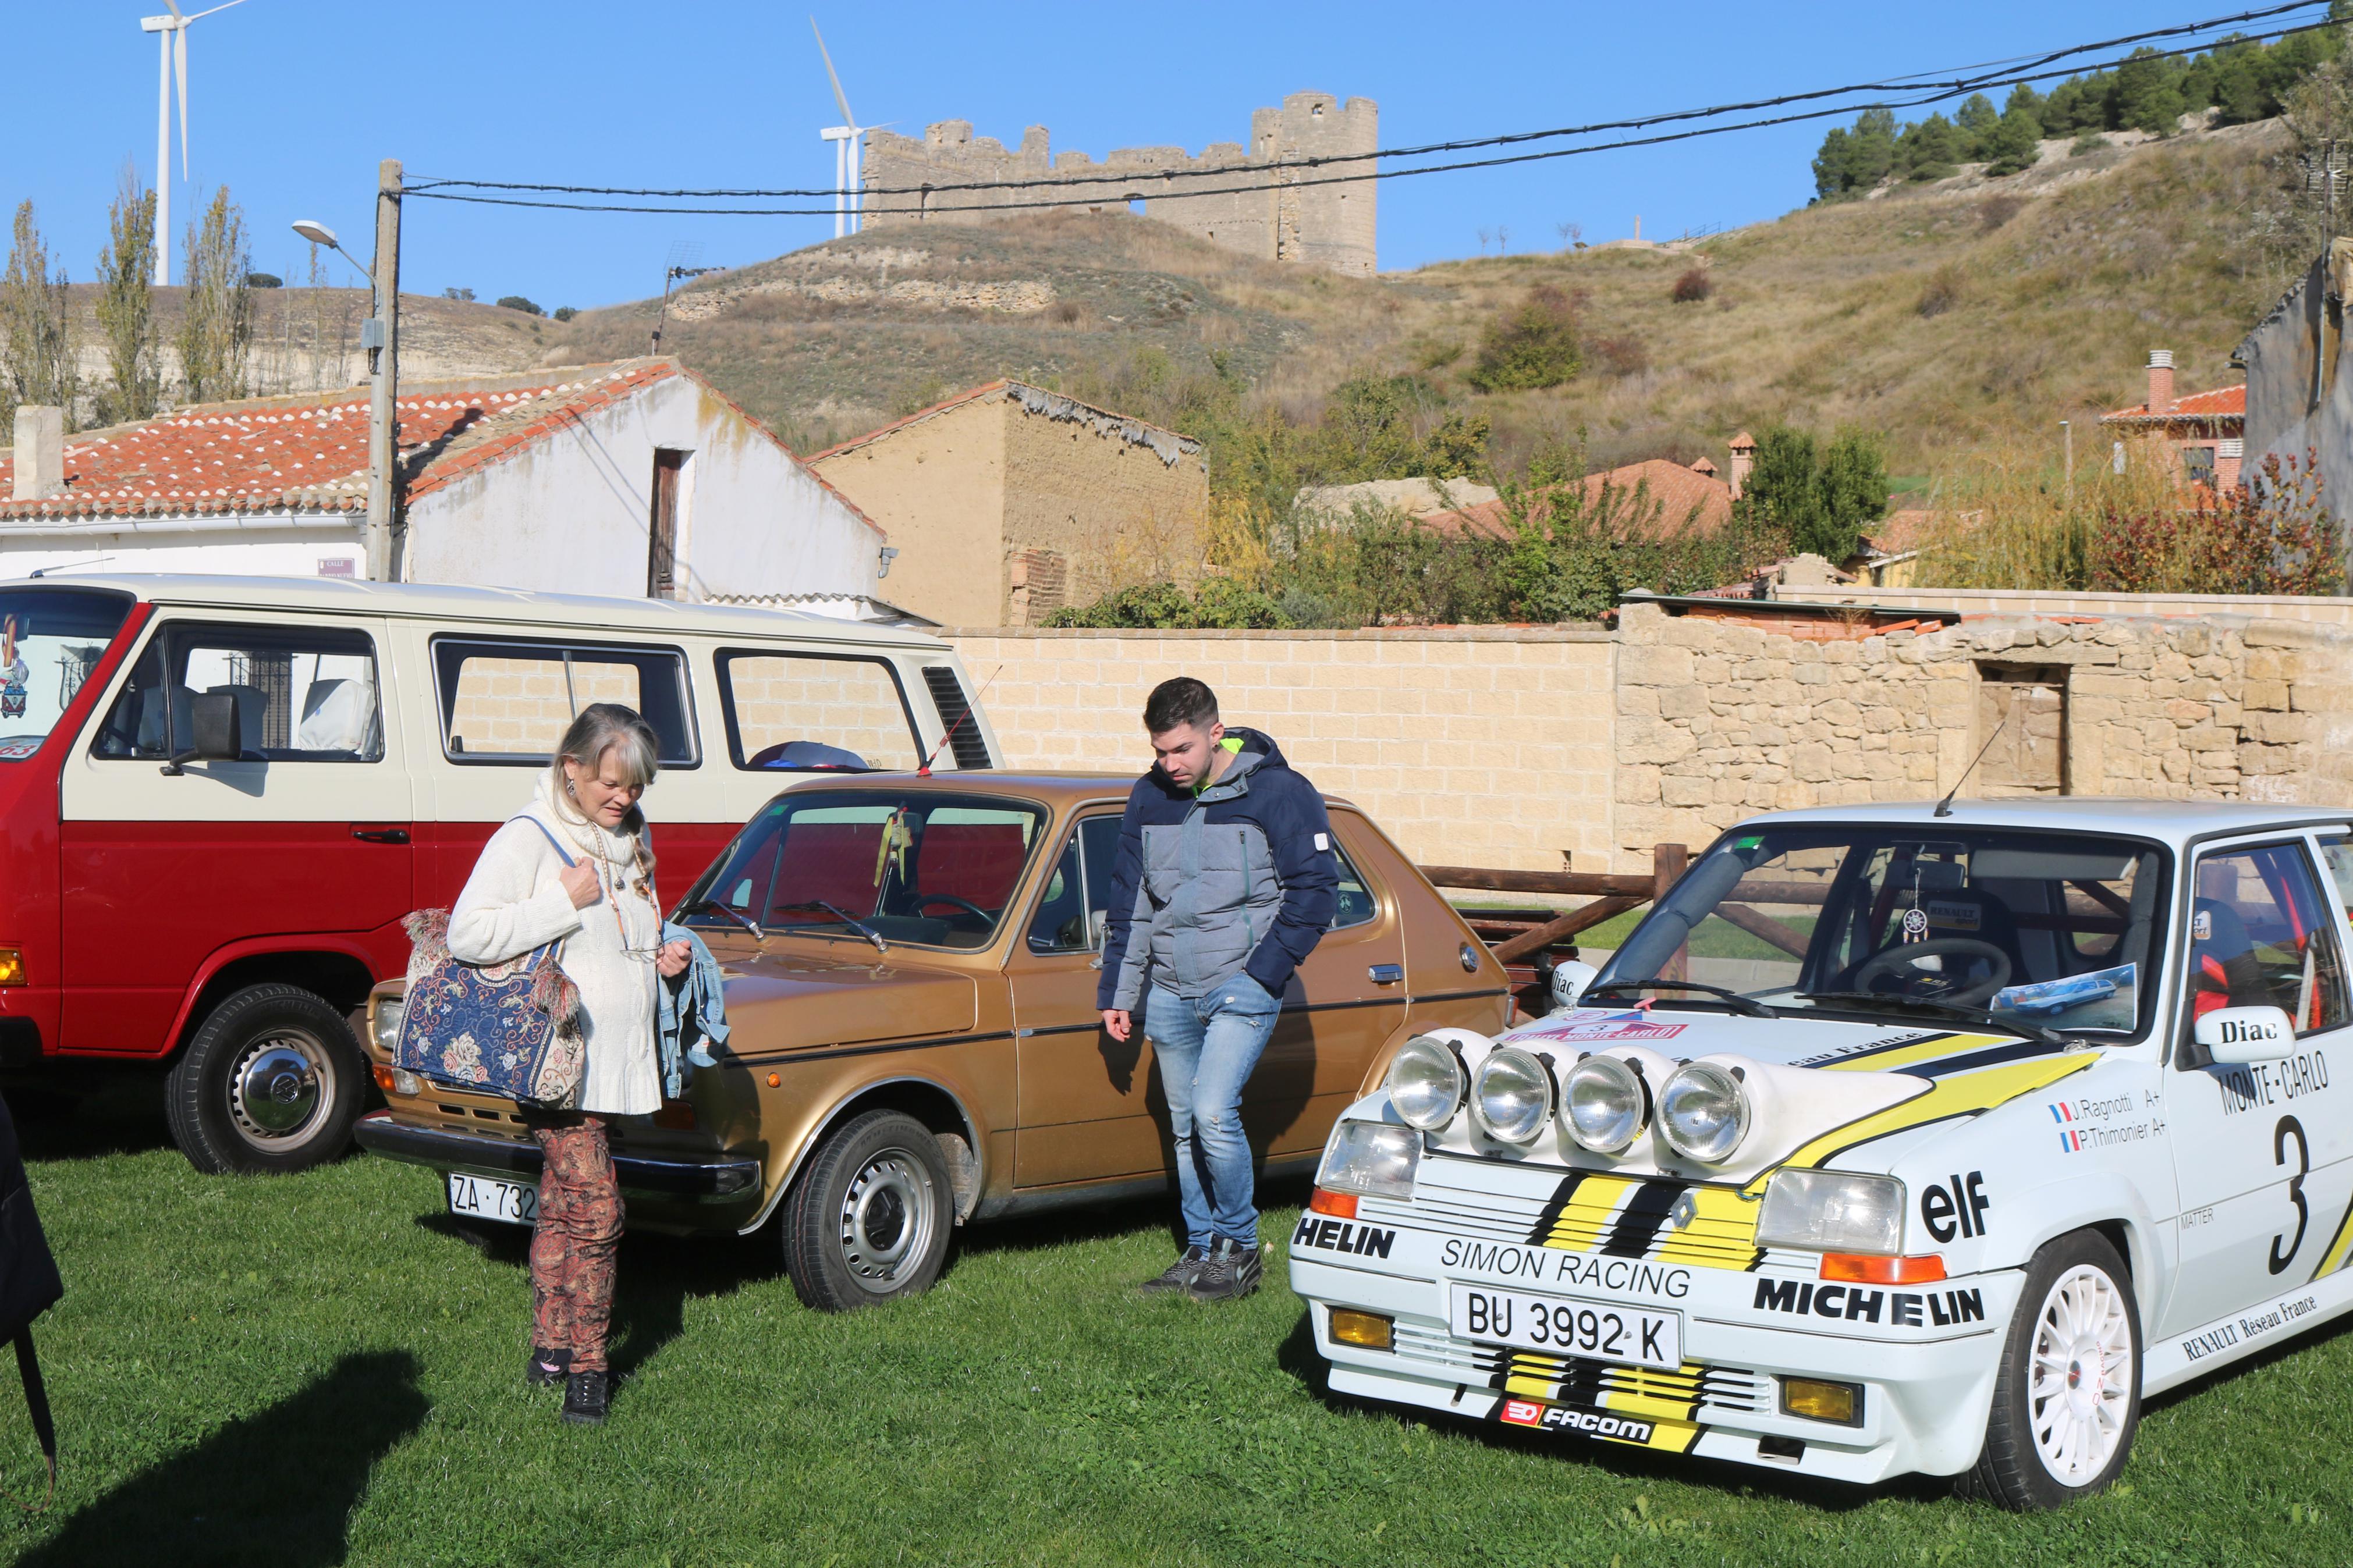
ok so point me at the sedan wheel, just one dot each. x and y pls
(868, 1219)
(2067, 1400)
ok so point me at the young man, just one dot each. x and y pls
(1224, 882)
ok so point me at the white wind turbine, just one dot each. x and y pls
(174, 31)
(849, 140)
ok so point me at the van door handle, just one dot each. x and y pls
(1387, 974)
(380, 835)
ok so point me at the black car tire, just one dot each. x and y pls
(870, 1219)
(2016, 1468)
(271, 1084)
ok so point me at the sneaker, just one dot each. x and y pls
(586, 1394)
(1230, 1272)
(546, 1368)
(1179, 1275)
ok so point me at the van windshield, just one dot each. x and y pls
(50, 639)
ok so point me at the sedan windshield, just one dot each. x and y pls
(2047, 928)
(918, 866)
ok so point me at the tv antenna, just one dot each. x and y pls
(683, 256)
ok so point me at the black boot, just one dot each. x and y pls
(586, 1394)
(546, 1368)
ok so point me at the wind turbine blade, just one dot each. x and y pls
(202, 15)
(180, 70)
(839, 97)
(174, 7)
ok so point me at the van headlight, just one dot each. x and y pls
(1605, 1103)
(1511, 1095)
(1424, 1083)
(1703, 1112)
(1372, 1158)
(1832, 1211)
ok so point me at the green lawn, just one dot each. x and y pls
(318, 1370)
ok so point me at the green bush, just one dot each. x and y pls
(517, 303)
(1534, 346)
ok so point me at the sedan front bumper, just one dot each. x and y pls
(717, 1180)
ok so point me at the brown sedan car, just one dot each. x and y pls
(910, 967)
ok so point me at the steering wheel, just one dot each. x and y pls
(982, 915)
(1896, 959)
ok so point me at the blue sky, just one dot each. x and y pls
(293, 103)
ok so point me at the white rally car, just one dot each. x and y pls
(1889, 1142)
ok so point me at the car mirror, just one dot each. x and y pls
(1569, 979)
(2245, 1033)
(218, 731)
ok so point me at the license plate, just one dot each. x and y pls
(1558, 1325)
(487, 1197)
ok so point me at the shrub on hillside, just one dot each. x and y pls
(1944, 289)
(1622, 355)
(517, 303)
(1533, 347)
(1692, 286)
(564, 312)
(2089, 143)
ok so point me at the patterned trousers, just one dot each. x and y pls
(572, 1246)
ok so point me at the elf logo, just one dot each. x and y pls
(1340, 1236)
(1956, 1211)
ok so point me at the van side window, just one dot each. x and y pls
(303, 694)
(509, 702)
(815, 710)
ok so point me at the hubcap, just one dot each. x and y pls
(278, 1088)
(888, 1218)
(2080, 1378)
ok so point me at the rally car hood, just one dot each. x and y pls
(784, 1000)
(1817, 1087)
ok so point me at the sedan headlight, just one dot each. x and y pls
(386, 1021)
(1511, 1095)
(1371, 1157)
(1832, 1211)
(1703, 1112)
(1424, 1083)
(1605, 1103)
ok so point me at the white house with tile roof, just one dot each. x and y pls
(635, 479)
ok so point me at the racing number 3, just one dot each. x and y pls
(2289, 1125)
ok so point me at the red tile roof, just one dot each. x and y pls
(2225, 403)
(1670, 494)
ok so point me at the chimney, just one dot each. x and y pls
(40, 452)
(1743, 456)
(2161, 381)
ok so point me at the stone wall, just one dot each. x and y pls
(2338, 612)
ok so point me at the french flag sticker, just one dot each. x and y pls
(2061, 1112)
(2072, 1143)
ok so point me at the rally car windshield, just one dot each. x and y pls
(2051, 929)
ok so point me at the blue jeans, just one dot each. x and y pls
(1207, 1049)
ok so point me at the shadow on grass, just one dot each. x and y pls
(276, 1488)
(1058, 1227)
(116, 1112)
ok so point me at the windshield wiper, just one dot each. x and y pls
(2009, 1023)
(736, 915)
(1739, 1004)
(845, 917)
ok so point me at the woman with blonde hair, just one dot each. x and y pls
(602, 907)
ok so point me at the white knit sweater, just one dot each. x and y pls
(514, 901)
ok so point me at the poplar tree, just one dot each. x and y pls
(217, 328)
(36, 365)
(126, 306)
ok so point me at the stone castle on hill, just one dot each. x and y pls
(1258, 205)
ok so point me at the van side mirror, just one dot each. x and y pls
(219, 735)
(2246, 1034)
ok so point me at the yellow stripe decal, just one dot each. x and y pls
(1722, 1232)
(2334, 1259)
(1902, 1057)
(1585, 1219)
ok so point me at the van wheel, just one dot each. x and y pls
(868, 1221)
(272, 1082)
(2067, 1400)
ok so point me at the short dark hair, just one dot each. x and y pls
(1183, 701)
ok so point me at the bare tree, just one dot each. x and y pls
(216, 329)
(37, 363)
(1570, 233)
(1484, 236)
(1503, 239)
(126, 305)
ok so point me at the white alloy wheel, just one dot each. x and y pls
(2079, 1387)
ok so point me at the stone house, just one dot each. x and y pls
(2205, 431)
(634, 479)
(2298, 408)
(1007, 503)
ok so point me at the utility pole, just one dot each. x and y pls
(2067, 429)
(380, 336)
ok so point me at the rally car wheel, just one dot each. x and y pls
(272, 1082)
(868, 1221)
(2067, 1400)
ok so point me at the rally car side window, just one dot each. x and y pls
(2260, 935)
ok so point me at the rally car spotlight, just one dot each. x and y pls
(1818, 1399)
(1511, 1095)
(1833, 1211)
(1371, 1330)
(1606, 1104)
(1372, 1158)
(1426, 1083)
(1703, 1112)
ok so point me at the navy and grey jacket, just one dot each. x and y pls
(1239, 878)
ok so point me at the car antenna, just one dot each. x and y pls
(969, 709)
(1944, 807)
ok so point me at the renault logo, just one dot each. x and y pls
(1687, 1209)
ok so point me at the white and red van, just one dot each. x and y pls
(219, 797)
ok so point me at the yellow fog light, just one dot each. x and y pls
(1817, 1400)
(1369, 1330)
(12, 967)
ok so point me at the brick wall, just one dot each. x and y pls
(849, 703)
(524, 705)
(1481, 745)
